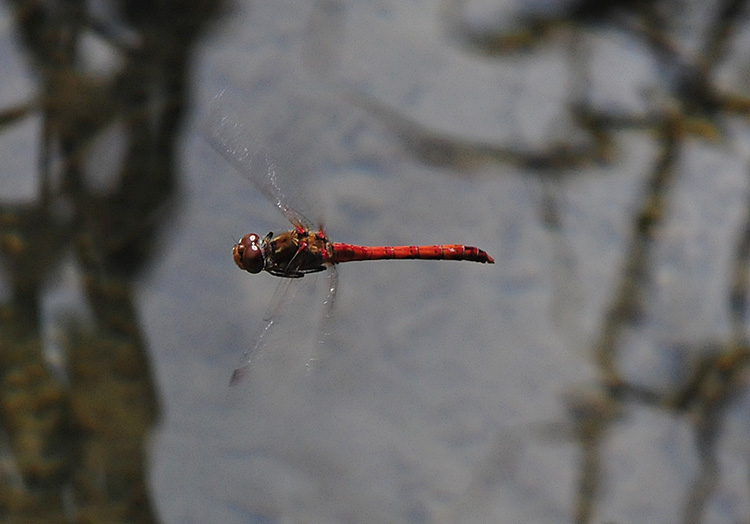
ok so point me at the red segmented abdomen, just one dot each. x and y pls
(350, 253)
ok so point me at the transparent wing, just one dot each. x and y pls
(250, 355)
(284, 293)
(293, 331)
(325, 322)
(229, 135)
(285, 290)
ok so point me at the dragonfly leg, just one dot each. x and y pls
(286, 273)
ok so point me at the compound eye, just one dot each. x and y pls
(248, 254)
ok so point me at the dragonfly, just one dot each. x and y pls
(303, 249)
(294, 253)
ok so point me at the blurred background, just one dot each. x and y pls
(596, 373)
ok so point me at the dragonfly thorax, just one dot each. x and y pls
(248, 253)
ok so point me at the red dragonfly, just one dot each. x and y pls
(294, 253)
(303, 249)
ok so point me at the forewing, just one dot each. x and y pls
(294, 332)
(284, 294)
(244, 148)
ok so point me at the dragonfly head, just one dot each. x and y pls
(248, 253)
